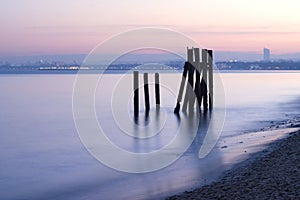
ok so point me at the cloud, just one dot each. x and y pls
(243, 32)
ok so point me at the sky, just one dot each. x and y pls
(35, 27)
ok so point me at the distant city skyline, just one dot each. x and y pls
(220, 56)
(35, 27)
(266, 54)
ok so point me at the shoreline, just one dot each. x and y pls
(270, 173)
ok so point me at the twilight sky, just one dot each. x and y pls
(34, 27)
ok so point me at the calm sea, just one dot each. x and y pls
(42, 156)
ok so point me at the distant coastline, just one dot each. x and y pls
(46, 68)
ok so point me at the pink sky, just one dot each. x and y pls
(32, 27)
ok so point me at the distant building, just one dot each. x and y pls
(266, 54)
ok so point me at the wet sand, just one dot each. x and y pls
(273, 173)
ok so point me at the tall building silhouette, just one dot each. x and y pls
(266, 54)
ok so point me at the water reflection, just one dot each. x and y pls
(50, 129)
(191, 124)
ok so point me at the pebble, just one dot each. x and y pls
(275, 175)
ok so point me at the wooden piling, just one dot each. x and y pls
(186, 96)
(190, 57)
(198, 73)
(136, 92)
(182, 84)
(189, 88)
(157, 91)
(146, 92)
(210, 79)
(203, 88)
(204, 80)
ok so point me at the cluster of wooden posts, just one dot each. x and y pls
(146, 92)
(202, 88)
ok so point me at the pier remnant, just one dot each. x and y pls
(210, 79)
(136, 92)
(146, 93)
(204, 80)
(189, 88)
(202, 87)
(197, 89)
(157, 92)
(182, 84)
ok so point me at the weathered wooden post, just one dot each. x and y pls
(146, 93)
(210, 79)
(198, 73)
(189, 88)
(182, 84)
(157, 92)
(204, 79)
(136, 92)
(203, 87)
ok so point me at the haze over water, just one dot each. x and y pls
(42, 156)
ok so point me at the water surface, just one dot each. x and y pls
(42, 156)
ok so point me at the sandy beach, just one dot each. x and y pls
(273, 173)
